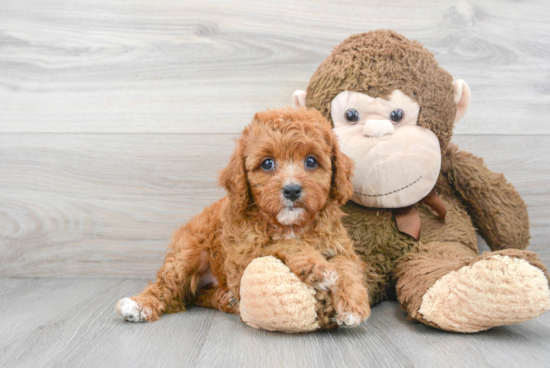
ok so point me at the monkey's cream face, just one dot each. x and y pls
(397, 161)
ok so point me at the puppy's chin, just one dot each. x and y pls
(290, 215)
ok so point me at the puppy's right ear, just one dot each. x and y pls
(234, 180)
(341, 189)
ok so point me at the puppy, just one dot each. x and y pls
(285, 183)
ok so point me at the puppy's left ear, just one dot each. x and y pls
(341, 188)
(234, 180)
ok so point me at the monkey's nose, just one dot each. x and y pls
(292, 191)
(378, 128)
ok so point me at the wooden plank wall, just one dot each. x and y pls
(115, 116)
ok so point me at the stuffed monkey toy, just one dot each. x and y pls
(418, 201)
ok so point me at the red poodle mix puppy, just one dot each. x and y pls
(285, 183)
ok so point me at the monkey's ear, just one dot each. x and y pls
(462, 98)
(299, 98)
(234, 180)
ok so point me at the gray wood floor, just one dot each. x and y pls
(116, 115)
(70, 322)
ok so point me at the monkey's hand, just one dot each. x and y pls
(498, 211)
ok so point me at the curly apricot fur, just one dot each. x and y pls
(229, 234)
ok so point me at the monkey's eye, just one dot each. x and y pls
(311, 162)
(352, 116)
(396, 115)
(268, 164)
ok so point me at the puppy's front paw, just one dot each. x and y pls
(319, 276)
(132, 311)
(348, 316)
(329, 279)
(348, 319)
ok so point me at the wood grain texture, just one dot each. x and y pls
(85, 331)
(206, 67)
(115, 117)
(101, 204)
(25, 304)
(105, 205)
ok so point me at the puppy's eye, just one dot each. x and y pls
(311, 162)
(396, 115)
(268, 164)
(352, 116)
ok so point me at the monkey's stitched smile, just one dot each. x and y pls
(395, 191)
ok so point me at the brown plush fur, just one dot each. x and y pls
(377, 63)
(230, 233)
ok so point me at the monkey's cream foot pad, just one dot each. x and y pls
(274, 298)
(496, 291)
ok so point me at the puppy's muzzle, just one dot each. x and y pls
(292, 191)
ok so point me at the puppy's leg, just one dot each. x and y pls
(307, 263)
(313, 269)
(349, 294)
(177, 280)
(217, 298)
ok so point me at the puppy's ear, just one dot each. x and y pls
(233, 178)
(341, 188)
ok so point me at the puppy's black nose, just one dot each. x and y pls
(292, 191)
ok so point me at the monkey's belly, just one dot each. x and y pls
(380, 244)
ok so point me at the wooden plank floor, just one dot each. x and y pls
(116, 115)
(70, 323)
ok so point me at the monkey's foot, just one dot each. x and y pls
(494, 291)
(274, 298)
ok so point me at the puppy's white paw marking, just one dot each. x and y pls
(132, 311)
(330, 278)
(349, 319)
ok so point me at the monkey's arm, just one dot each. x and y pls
(498, 211)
